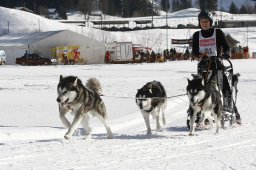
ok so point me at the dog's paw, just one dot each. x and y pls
(110, 136)
(191, 134)
(149, 133)
(67, 137)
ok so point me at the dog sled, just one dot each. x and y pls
(227, 81)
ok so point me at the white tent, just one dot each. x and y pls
(15, 45)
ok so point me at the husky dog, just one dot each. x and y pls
(151, 99)
(82, 101)
(206, 99)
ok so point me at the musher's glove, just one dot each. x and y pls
(203, 56)
(225, 56)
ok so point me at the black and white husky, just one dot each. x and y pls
(82, 101)
(151, 99)
(204, 98)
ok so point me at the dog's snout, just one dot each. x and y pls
(194, 102)
(140, 105)
(58, 100)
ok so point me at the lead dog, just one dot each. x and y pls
(82, 101)
(151, 99)
(206, 99)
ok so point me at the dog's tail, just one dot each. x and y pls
(94, 84)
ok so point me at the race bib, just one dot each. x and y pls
(208, 45)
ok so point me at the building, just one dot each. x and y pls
(15, 45)
(53, 13)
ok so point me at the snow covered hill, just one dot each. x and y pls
(31, 134)
(15, 21)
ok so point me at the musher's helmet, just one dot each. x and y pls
(205, 15)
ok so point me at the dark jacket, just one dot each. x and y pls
(220, 39)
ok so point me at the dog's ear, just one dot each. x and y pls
(61, 78)
(189, 81)
(202, 81)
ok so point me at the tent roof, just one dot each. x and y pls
(20, 39)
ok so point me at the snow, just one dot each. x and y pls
(20, 22)
(31, 133)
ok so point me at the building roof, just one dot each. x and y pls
(24, 9)
(51, 10)
(110, 22)
(20, 39)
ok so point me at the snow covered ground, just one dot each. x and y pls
(31, 134)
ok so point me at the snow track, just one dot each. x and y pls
(31, 134)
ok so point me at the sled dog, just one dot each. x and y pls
(83, 102)
(151, 100)
(204, 98)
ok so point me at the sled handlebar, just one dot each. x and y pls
(229, 62)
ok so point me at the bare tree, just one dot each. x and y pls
(85, 6)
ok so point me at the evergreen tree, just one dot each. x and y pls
(251, 9)
(243, 10)
(137, 8)
(185, 4)
(42, 10)
(105, 6)
(117, 6)
(181, 4)
(62, 12)
(148, 9)
(208, 5)
(175, 5)
(85, 6)
(233, 9)
(125, 8)
(165, 5)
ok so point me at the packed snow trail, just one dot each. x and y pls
(31, 134)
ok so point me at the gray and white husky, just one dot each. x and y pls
(204, 98)
(151, 99)
(82, 101)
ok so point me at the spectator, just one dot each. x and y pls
(26, 53)
(171, 50)
(187, 52)
(65, 59)
(174, 51)
(153, 56)
(246, 52)
(107, 57)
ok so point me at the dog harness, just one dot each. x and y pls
(149, 110)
